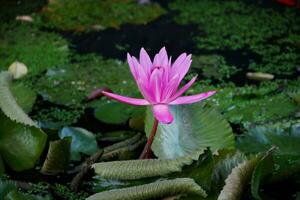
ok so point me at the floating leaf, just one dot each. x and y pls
(39, 50)
(76, 81)
(83, 141)
(117, 113)
(195, 127)
(156, 190)
(136, 169)
(95, 15)
(113, 113)
(58, 157)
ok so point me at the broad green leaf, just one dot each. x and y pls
(83, 141)
(137, 169)
(97, 15)
(195, 127)
(17, 130)
(113, 113)
(155, 190)
(117, 113)
(58, 157)
(69, 85)
(237, 181)
(28, 141)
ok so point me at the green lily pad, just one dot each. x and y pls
(83, 141)
(38, 50)
(98, 14)
(69, 85)
(30, 142)
(117, 113)
(195, 127)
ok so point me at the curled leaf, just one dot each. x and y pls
(8, 103)
(237, 180)
(136, 169)
(58, 157)
(156, 190)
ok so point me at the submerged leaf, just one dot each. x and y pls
(58, 157)
(6, 187)
(83, 141)
(136, 169)
(195, 127)
(156, 190)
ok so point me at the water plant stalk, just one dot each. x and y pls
(147, 149)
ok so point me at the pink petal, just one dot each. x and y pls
(178, 62)
(184, 88)
(132, 66)
(161, 59)
(145, 60)
(128, 100)
(162, 113)
(192, 98)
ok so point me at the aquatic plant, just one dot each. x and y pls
(97, 14)
(158, 83)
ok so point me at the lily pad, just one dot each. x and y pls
(36, 49)
(117, 113)
(195, 127)
(98, 14)
(83, 141)
(69, 85)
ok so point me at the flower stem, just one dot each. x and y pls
(147, 149)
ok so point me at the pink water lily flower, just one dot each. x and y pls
(159, 83)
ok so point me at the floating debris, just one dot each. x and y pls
(259, 76)
(18, 69)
